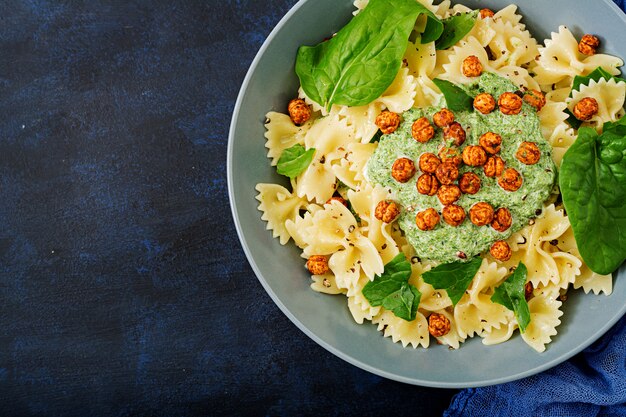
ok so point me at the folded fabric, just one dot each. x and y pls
(592, 383)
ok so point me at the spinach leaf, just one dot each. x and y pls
(455, 28)
(593, 185)
(393, 291)
(454, 277)
(511, 294)
(361, 61)
(596, 75)
(294, 161)
(456, 98)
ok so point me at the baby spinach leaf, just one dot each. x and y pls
(456, 98)
(454, 277)
(358, 64)
(455, 28)
(393, 291)
(511, 294)
(293, 161)
(593, 185)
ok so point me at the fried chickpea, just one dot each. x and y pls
(472, 66)
(388, 121)
(491, 142)
(493, 167)
(443, 118)
(511, 180)
(338, 199)
(588, 45)
(502, 219)
(501, 251)
(535, 98)
(474, 156)
(486, 13)
(453, 215)
(510, 104)
(403, 170)
(528, 290)
(427, 184)
(484, 103)
(448, 194)
(586, 108)
(438, 325)
(427, 219)
(455, 132)
(528, 153)
(469, 183)
(481, 214)
(422, 131)
(299, 111)
(386, 211)
(447, 173)
(317, 265)
(429, 162)
(451, 155)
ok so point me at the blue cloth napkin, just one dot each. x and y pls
(592, 383)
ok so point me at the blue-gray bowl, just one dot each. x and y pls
(269, 85)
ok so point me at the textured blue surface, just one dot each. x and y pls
(123, 286)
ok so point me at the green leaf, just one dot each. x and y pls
(593, 185)
(393, 291)
(294, 161)
(511, 294)
(358, 64)
(456, 98)
(455, 28)
(454, 277)
(595, 75)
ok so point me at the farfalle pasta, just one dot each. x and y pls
(351, 225)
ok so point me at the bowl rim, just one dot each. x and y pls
(335, 351)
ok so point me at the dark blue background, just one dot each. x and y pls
(123, 287)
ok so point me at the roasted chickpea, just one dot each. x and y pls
(493, 167)
(455, 132)
(403, 170)
(447, 173)
(429, 162)
(486, 13)
(528, 290)
(502, 219)
(438, 325)
(474, 156)
(511, 180)
(427, 184)
(451, 155)
(299, 111)
(481, 214)
(586, 108)
(491, 142)
(501, 251)
(453, 215)
(535, 98)
(317, 265)
(469, 183)
(528, 153)
(427, 219)
(388, 121)
(448, 194)
(422, 131)
(484, 103)
(510, 104)
(386, 211)
(588, 45)
(472, 66)
(443, 118)
(339, 200)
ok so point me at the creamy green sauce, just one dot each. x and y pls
(445, 242)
